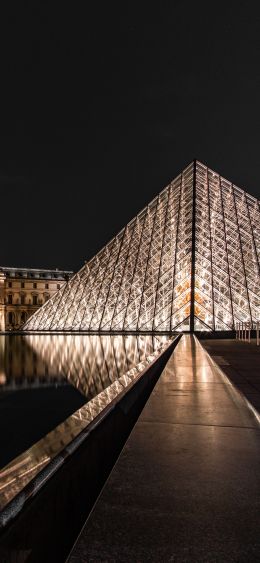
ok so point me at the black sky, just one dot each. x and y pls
(102, 107)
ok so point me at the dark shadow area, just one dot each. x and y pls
(218, 334)
(27, 415)
(240, 361)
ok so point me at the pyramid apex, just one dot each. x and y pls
(196, 160)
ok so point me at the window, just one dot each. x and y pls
(34, 299)
(9, 284)
(22, 298)
(11, 318)
(46, 297)
(58, 285)
(34, 285)
(46, 286)
(23, 317)
(22, 284)
(10, 299)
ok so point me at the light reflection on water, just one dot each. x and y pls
(21, 367)
(44, 379)
(92, 362)
(95, 368)
(88, 362)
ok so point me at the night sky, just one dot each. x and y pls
(101, 108)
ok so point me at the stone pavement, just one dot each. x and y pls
(186, 485)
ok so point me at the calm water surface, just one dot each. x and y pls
(46, 378)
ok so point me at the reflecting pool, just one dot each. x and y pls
(44, 379)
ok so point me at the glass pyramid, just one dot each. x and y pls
(188, 261)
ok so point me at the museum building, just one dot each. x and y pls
(24, 290)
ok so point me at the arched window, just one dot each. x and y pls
(35, 301)
(10, 318)
(22, 298)
(46, 297)
(23, 316)
(10, 299)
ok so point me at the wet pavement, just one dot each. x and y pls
(186, 485)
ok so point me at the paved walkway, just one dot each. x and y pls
(186, 485)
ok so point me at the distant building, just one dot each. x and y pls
(24, 290)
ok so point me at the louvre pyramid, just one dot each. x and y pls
(188, 261)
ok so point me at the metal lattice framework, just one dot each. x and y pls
(188, 261)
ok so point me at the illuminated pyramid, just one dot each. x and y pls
(188, 261)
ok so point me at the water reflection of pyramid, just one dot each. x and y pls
(188, 261)
(92, 363)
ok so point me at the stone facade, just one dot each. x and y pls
(24, 290)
